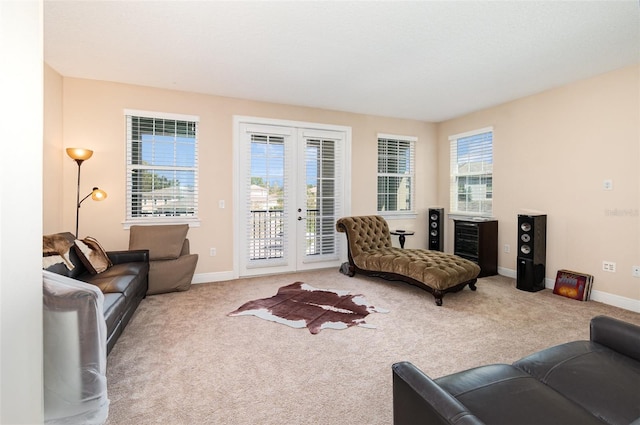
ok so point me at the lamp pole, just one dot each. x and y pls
(79, 155)
(79, 161)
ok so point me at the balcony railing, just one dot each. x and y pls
(267, 234)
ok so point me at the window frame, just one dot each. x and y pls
(453, 177)
(129, 220)
(412, 140)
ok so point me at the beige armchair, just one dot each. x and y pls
(171, 266)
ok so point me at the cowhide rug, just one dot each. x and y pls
(300, 305)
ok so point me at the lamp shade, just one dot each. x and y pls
(79, 154)
(98, 194)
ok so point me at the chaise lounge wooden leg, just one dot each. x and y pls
(348, 269)
(472, 284)
(438, 296)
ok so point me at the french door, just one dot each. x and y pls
(291, 191)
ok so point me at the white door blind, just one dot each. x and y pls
(162, 168)
(323, 198)
(267, 236)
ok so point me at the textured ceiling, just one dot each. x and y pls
(424, 60)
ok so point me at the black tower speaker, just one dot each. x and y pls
(436, 229)
(532, 252)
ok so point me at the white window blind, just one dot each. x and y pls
(162, 167)
(323, 197)
(471, 172)
(396, 159)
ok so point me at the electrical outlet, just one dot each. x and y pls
(609, 266)
(212, 252)
(607, 184)
(635, 271)
(507, 248)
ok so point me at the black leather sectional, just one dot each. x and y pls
(124, 285)
(579, 382)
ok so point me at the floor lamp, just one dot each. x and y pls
(79, 155)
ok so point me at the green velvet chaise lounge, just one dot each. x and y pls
(371, 253)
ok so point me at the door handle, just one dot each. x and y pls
(301, 218)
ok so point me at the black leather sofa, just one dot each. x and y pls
(124, 284)
(579, 382)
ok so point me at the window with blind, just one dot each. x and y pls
(471, 172)
(162, 167)
(396, 159)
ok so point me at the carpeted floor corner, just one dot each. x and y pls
(182, 360)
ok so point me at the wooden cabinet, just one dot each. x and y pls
(477, 241)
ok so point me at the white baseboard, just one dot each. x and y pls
(213, 277)
(599, 296)
(616, 300)
(507, 272)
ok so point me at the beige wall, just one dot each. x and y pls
(93, 117)
(52, 152)
(552, 152)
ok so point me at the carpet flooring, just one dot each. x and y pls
(182, 360)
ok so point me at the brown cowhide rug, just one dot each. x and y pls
(300, 305)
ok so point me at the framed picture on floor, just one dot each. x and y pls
(573, 285)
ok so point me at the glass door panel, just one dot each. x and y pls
(290, 197)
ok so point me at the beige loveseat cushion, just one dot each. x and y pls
(163, 242)
(172, 275)
(171, 266)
